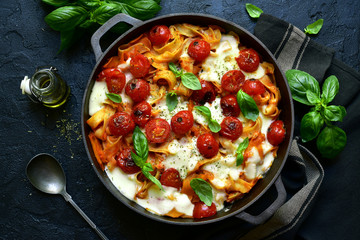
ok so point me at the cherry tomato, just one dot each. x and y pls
(139, 65)
(253, 87)
(248, 60)
(199, 49)
(232, 80)
(276, 132)
(159, 34)
(201, 210)
(171, 178)
(231, 128)
(157, 130)
(182, 122)
(207, 145)
(115, 79)
(205, 94)
(126, 163)
(141, 113)
(137, 89)
(230, 106)
(121, 124)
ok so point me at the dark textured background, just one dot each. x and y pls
(27, 129)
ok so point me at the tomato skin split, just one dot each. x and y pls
(232, 81)
(171, 178)
(139, 66)
(137, 89)
(199, 50)
(205, 94)
(159, 34)
(141, 113)
(182, 122)
(115, 79)
(207, 145)
(231, 128)
(126, 163)
(276, 132)
(248, 60)
(230, 106)
(121, 124)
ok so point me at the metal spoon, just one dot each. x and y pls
(46, 174)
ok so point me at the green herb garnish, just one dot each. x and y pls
(247, 105)
(74, 18)
(253, 10)
(188, 79)
(142, 152)
(116, 98)
(240, 151)
(214, 126)
(315, 27)
(331, 140)
(203, 189)
(171, 101)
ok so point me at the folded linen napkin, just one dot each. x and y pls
(294, 50)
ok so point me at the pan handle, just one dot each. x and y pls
(267, 213)
(121, 17)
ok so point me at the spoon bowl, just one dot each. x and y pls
(46, 174)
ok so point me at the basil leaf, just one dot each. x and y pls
(203, 189)
(299, 83)
(116, 98)
(190, 81)
(334, 113)
(311, 125)
(174, 69)
(137, 160)
(247, 105)
(89, 4)
(214, 126)
(56, 3)
(66, 18)
(312, 97)
(106, 11)
(147, 167)
(140, 144)
(204, 110)
(153, 179)
(315, 27)
(240, 150)
(329, 89)
(141, 9)
(253, 10)
(171, 101)
(331, 141)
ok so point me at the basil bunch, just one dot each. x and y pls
(331, 140)
(72, 18)
(141, 147)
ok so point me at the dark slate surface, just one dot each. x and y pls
(27, 128)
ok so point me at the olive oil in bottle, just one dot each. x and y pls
(46, 87)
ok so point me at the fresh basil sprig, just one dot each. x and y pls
(141, 147)
(171, 101)
(214, 126)
(240, 151)
(203, 189)
(247, 105)
(188, 79)
(74, 18)
(331, 140)
(253, 10)
(315, 27)
(116, 98)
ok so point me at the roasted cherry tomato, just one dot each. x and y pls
(139, 65)
(182, 122)
(137, 89)
(205, 94)
(159, 34)
(248, 60)
(231, 128)
(199, 49)
(141, 113)
(253, 87)
(276, 132)
(230, 106)
(121, 124)
(232, 81)
(171, 178)
(115, 79)
(201, 210)
(157, 130)
(126, 163)
(207, 145)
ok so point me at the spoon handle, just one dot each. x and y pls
(68, 198)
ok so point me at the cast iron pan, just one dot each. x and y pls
(287, 115)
